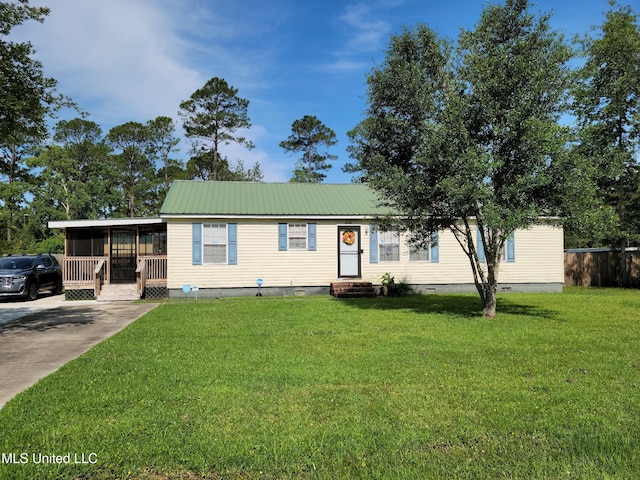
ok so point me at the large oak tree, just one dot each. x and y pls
(467, 137)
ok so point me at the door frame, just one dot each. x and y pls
(132, 244)
(358, 230)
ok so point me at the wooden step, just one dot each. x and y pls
(352, 289)
(118, 292)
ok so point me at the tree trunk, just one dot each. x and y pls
(489, 301)
(491, 287)
(486, 281)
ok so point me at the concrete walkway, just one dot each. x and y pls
(37, 338)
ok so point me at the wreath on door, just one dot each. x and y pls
(349, 237)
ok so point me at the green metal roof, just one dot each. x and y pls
(270, 199)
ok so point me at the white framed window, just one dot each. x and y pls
(428, 253)
(417, 254)
(388, 246)
(297, 236)
(214, 243)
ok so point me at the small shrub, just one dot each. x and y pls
(392, 289)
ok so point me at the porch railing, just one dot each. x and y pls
(92, 272)
(155, 267)
(151, 270)
(99, 273)
(84, 273)
(80, 271)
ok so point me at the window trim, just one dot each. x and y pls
(381, 243)
(231, 246)
(301, 231)
(284, 236)
(205, 244)
(433, 250)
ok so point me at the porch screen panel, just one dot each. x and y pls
(87, 242)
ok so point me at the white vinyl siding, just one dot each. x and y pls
(539, 258)
(214, 243)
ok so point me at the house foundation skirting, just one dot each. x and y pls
(250, 292)
(155, 292)
(502, 288)
(324, 290)
(79, 294)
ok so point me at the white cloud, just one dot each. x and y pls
(369, 31)
(124, 60)
(366, 30)
(119, 55)
(274, 170)
(343, 65)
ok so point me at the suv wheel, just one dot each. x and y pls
(32, 291)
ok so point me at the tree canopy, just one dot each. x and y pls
(308, 134)
(212, 117)
(28, 98)
(468, 138)
(606, 103)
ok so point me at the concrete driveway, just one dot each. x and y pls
(37, 338)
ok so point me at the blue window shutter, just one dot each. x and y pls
(196, 243)
(282, 236)
(311, 230)
(480, 246)
(435, 250)
(511, 249)
(232, 243)
(373, 244)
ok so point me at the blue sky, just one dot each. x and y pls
(133, 60)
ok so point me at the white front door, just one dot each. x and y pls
(349, 251)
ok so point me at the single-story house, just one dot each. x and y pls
(226, 238)
(223, 236)
(235, 238)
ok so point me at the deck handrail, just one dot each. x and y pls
(92, 272)
(98, 276)
(155, 268)
(81, 270)
(141, 277)
(151, 270)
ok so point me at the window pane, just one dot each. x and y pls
(389, 246)
(389, 237)
(215, 254)
(297, 236)
(389, 252)
(214, 243)
(418, 255)
(214, 233)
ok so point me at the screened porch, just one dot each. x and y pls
(117, 251)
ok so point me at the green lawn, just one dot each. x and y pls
(417, 387)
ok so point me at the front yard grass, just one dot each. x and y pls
(414, 387)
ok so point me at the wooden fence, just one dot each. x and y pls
(599, 268)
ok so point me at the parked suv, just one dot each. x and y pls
(25, 275)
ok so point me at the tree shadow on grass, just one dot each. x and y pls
(49, 319)
(458, 305)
